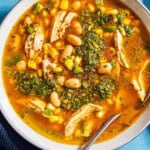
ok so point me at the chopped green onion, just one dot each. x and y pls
(38, 8)
(77, 69)
(109, 28)
(30, 29)
(122, 30)
(47, 112)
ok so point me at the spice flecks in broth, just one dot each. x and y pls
(77, 62)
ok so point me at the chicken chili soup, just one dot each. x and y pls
(69, 65)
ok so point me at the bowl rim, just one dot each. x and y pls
(29, 134)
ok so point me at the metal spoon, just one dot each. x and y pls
(108, 122)
(99, 132)
(143, 103)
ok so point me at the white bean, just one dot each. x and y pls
(77, 28)
(67, 52)
(105, 68)
(74, 40)
(73, 83)
(55, 99)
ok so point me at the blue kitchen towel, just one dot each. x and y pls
(10, 140)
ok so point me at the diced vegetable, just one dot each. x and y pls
(53, 52)
(109, 28)
(64, 4)
(77, 69)
(32, 64)
(69, 63)
(47, 112)
(30, 29)
(38, 8)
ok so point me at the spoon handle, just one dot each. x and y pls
(99, 132)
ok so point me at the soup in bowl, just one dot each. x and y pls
(68, 66)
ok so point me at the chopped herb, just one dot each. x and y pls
(105, 87)
(47, 112)
(100, 19)
(83, 15)
(129, 30)
(30, 84)
(38, 7)
(10, 71)
(30, 29)
(85, 84)
(90, 50)
(120, 19)
(12, 61)
(77, 69)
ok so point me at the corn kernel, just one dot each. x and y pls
(61, 80)
(53, 52)
(102, 8)
(60, 120)
(53, 12)
(99, 31)
(39, 72)
(57, 69)
(78, 60)
(32, 64)
(53, 119)
(91, 7)
(112, 12)
(46, 48)
(126, 21)
(44, 13)
(78, 133)
(57, 111)
(64, 4)
(102, 59)
(69, 64)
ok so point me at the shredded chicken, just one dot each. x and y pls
(34, 42)
(120, 54)
(47, 67)
(81, 114)
(35, 103)
(60, 23)
(139, 83)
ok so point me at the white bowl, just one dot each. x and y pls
(29, 134)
